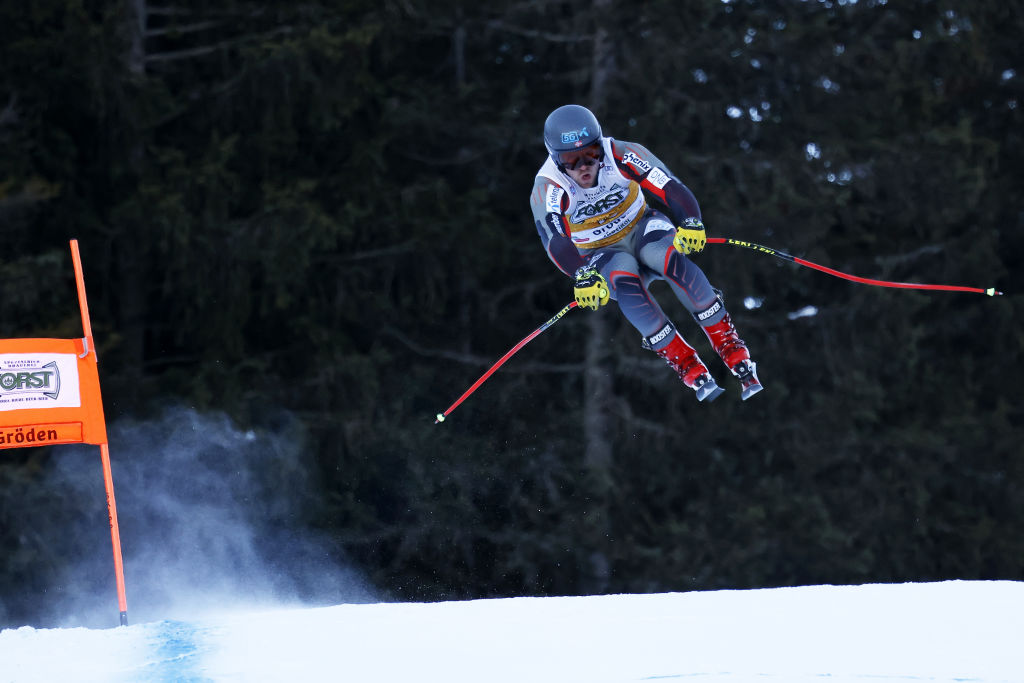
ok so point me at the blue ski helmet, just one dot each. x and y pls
(569, 128)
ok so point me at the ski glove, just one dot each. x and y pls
(690, 237)
(591, 289)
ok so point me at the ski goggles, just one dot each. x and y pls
(587, 156)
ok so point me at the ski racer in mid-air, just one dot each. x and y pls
(594, 220)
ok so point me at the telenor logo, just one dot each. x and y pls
(576, 137)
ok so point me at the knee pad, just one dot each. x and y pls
(627, 285)
(635, 302)
(682, 270)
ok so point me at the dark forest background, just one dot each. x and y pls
(317, 214)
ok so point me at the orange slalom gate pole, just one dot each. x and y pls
(108, 479)
(115, 535)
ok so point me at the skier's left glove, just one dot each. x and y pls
(690, 237)
(590, 288)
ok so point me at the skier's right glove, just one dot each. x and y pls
(690, 236)
(590, 288)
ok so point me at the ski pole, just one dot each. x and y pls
(511, 352)
(991, 291)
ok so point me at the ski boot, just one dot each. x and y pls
(734, 353)
(683, 358)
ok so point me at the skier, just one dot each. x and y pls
(598, 228)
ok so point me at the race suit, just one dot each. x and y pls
(612, 227)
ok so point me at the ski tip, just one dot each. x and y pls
(709, 391)
(749, 391)
(718, 391)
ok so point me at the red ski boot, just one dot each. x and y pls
(733, 352)
(683, 358)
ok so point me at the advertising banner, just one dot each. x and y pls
(49, 393)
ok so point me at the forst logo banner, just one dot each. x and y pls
(38, 380)
(49, 392)
(45, 379)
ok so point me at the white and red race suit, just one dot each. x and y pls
(612, 227)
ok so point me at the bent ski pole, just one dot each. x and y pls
(991, 291)
(511, 352)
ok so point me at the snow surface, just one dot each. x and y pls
(949, 631)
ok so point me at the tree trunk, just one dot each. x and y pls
(131, 288)
(597, 376)
(135, 25)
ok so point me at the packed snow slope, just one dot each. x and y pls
(949, 631)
